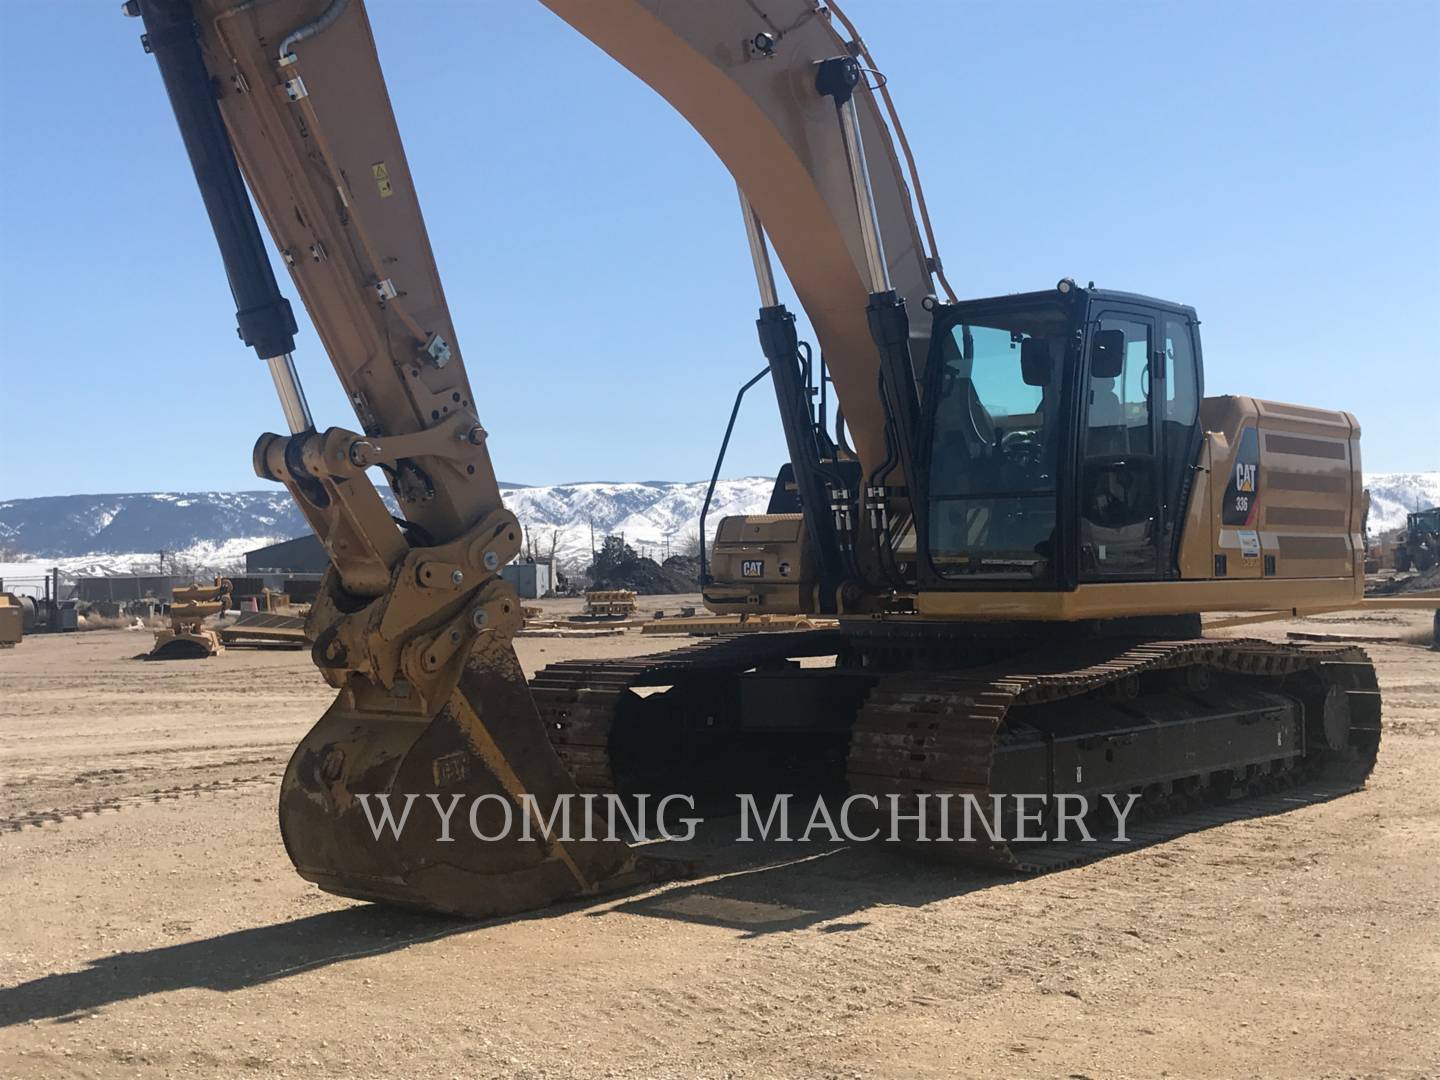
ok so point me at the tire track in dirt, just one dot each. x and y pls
(57, 815)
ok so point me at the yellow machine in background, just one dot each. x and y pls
(12, 620)
(187, 637)
(610, 603)
(762, 564)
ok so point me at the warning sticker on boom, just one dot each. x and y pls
(1242, 495)
(382, 179)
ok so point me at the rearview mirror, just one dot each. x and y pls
(1035, 361)
(1107, 354)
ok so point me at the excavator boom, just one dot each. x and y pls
(413, 624)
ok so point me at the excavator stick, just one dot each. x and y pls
(430, 781)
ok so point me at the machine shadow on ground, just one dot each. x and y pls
(762, 888)
(757, 889)
(226, 962)
(766, 887)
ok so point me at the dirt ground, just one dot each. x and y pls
(153, 927)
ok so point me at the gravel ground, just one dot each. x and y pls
(154, 926)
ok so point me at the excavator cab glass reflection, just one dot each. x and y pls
(996, 385)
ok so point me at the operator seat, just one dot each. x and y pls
(1107, 433)
(964, 435)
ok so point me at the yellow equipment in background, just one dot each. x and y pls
(12, 621)
(187, 637)
(610, 603)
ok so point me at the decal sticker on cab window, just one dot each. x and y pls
(1242, 494)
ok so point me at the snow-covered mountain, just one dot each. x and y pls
(74, 525)
(657, 519)
(1394, 495)
(212, 530)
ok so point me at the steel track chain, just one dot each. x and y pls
(578, 699)
(921, 732)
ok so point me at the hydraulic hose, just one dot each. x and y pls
(318, 26)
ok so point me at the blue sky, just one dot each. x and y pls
(1276, 165)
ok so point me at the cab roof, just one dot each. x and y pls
(1078, 295)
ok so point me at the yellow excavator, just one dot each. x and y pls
(1015, 521)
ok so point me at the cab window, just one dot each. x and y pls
(993, 450)
(1119, 473)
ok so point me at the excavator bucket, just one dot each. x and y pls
(467, 812)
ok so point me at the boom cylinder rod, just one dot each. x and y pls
(864, 198)
(837, 79)
(759, 252)
(292, 394)
(889, 327)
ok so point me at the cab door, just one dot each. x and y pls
(1121, 501)
(1177, 364)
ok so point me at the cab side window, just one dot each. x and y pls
(1119, 475)
(1181, 397)
(1118, 410)
(1178, 419)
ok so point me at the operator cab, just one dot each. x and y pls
(1057, 437)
